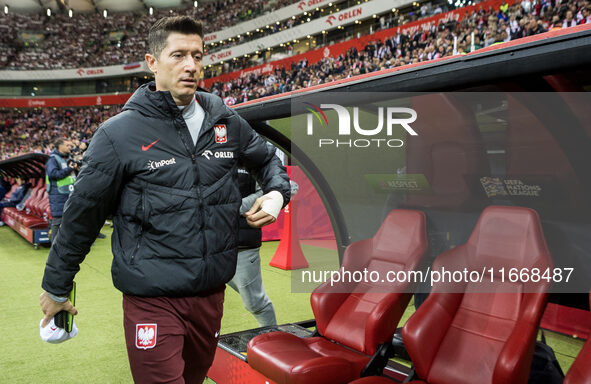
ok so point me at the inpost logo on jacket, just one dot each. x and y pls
(154, 165)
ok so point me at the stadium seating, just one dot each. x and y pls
(460, 335)
(61, 45)
(580, 371)
(36, 213)
(352, 319)
(486, 336)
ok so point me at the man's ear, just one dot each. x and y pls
(152, 62)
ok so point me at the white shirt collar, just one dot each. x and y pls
(189, 109)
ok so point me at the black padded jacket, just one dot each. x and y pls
(175, 204)
(248, 237)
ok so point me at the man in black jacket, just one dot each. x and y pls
(166, 168)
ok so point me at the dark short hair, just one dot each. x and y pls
(59, 141)
(162, 28)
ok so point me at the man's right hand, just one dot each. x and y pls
(51, 307)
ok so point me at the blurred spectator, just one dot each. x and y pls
(60, 178)
(585, 15)
(569, 20)
(16, 197)
(4, 187)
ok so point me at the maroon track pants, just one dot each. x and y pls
(172, 340)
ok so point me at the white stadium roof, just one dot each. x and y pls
(35, 6)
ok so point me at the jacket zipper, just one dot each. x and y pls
(139, 239)
(201, 210)
(195, 172)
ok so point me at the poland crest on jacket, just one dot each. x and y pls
(145, 336)
(220, 133)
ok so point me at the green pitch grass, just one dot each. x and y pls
(97, 354)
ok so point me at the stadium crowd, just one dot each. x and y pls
(385, 21)
(35, 130)
(488, 26)
(88, 40)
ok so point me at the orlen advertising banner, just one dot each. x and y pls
(266, 19)
(76, 74)
(339, 48)
(328, 22)
(81, 101)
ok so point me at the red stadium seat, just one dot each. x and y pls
(14, 212)
(33, 215)
(488, 337)
(30, 203)
(37, 206)
(32, 221)
(352, 319)
(580, 371)
(10, 212)
(45, 206)
(29, 216)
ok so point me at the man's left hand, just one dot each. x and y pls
(261, 214)
(51, 307)
(256, 217)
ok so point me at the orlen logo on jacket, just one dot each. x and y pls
(393, 116)
(154, 165)
(218, 155)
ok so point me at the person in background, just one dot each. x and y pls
(16, 197)
(248, 281)
(4, 188)
(59, 181)
(165, 167)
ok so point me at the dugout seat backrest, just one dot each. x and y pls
(32, 202)
(45, 206)
(40, 202)
(483, 332)
(536, 157)
(447, 152)
(352, 319)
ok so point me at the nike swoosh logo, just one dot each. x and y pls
(53, 328)
(146, 147)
